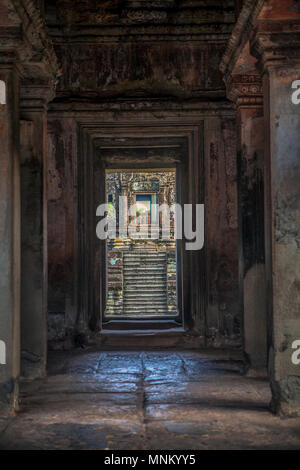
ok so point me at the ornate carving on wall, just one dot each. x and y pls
(109, 12)
(139, 49)
(245, 89)
(146, 186)
(127, 184)
(24, 39)
(140, 69)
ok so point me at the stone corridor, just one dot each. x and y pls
(156, 400)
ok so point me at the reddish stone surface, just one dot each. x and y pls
(280, 10)
(62, 216)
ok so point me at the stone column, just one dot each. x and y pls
(34, 100)
(277, 44)
(245, 90)
(9, 237)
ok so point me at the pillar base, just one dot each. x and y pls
(9, 392)
(260, 372)
(32, 366)
(286, 396)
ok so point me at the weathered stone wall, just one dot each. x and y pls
(284, 216)
(223, 313)
(62, 228)
(269, 141)
(10, 233)
(126, 69)
(244, 88)
(27, 62)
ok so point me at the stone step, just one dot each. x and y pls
(151, 263)
(145, 295)
(145, 269)
(129, 311)
(145, 284)
(156, 287)
(146, 277)
(144, 289)
(154, 260)
(151, 257)
(148, 272)
(139, 304)
(141, 312)
(141, 266)
(142, 252)
(146, 305)
(141, 262)
(146, 280)
(145, 312)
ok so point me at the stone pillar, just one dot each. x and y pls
(34, 230)
(245, 89)
(277, 45)
(9, 238)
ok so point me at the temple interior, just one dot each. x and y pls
(147, 339)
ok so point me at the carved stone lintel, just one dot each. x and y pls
(126, 14)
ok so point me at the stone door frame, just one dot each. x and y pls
(184, 150)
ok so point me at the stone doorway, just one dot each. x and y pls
(141, 262)
(134, 148)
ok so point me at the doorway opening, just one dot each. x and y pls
(141, 260)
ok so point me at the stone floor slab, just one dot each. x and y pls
(147, 400)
